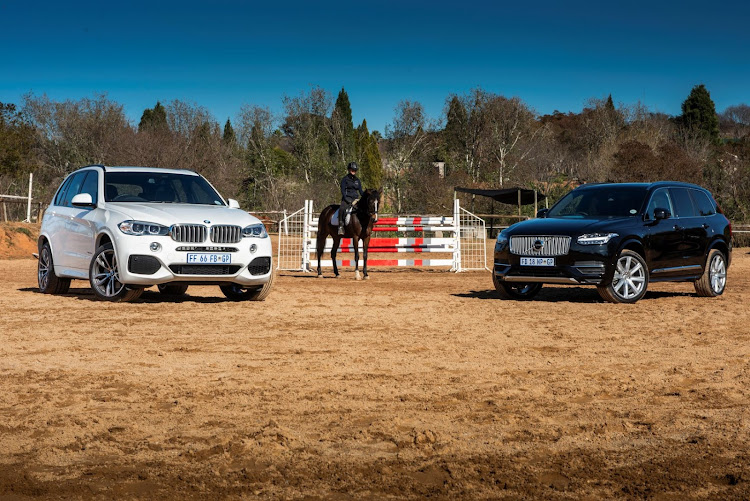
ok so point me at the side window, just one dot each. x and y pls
(61, 192)
(91, 185)
(703, 205)
(74, 187)
(660, 200)
(683, 202)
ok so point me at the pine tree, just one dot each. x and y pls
(610, 105)
(699, 113)
(368, 156)
(154, 118)
(342, 141)
(229, 135)
(455, 127)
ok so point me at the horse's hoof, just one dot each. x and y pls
(367, 277)
(336, 276)
(357, 276)
(320, 276)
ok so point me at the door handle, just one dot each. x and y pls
(705, 226)
(678, 228)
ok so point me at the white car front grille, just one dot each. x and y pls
(226, 234)
(189, 233)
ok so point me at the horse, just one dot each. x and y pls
(363, 218)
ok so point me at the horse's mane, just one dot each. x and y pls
(362, 209)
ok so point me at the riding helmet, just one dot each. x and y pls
(352, 166)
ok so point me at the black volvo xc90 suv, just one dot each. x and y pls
(618, 237)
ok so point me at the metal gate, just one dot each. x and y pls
(472, 240)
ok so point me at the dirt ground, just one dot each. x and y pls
(425, 385)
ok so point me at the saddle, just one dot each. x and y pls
(335, 217)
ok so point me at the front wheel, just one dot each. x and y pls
(714, 278)
(629, 281)
(104, 276)
(516, 290)
(236, 292)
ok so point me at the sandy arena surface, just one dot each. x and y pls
(428, 385)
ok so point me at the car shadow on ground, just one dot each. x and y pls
(149, 296)
(568, 295)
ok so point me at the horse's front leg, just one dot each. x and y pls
(334, 248)
(355, 243)
(365, 245)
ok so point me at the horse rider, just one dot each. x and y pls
(351, 186)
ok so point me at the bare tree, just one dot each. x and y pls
(736, 121)
(512, 134)
(407, 142)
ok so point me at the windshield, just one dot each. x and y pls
(600, 201)
(159, 187)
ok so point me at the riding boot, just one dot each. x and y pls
(341, 226)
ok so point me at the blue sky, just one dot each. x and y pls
(219, 54)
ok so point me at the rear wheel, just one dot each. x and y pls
(49, 283)
(516, 290)
(714, 278)
(104, 276)
(629, 281)
(173, 289)
(236, 292)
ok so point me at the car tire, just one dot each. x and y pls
(236, 292)
(173, 289)
(49, 283)
(516, 290)
(105, 278)
(629, 280)
(714, 278)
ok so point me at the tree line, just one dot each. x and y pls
(274, 161)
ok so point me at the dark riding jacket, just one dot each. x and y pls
(351, 187)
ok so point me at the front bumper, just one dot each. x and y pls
(583, 265)
(139, 265)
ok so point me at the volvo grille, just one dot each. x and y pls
(554, 245)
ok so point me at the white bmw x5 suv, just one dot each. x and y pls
(128, 228)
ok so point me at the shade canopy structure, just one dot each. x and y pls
(510, 196)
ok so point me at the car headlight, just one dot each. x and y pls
(596, 238)
(255, 231)
(139, 228)
(502, 238)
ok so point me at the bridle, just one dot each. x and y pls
(374, 215)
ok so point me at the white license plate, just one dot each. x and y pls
(209, 258)
(537, 261)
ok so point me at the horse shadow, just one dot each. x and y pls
(148, 297)
(583, 295)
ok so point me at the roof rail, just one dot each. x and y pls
(95, 165)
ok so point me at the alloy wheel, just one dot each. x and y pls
(718, 274)
(629, 278)
(106, 275)
(45, 263)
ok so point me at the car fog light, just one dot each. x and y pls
(253, 248)
(155, 246)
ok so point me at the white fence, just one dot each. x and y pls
(16, 199)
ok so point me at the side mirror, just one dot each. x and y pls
(233, 204)
(82, 200)
(661, 214)
(542, 213)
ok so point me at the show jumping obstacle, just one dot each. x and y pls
(463, 236)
